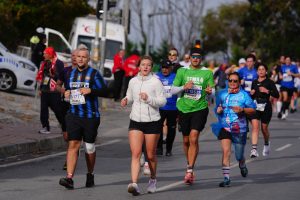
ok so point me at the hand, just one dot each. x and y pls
(67, 94)
(208, 90)
(124, 102)
(264, 90)
(219, 109)
(188, 85)
(289, 73)
(252, 92)
(143, 96)
(85, 91)
(237, 109)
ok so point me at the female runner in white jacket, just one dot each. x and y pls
(146, 94)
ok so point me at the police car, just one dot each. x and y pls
(16, 72)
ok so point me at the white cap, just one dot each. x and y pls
(40, 30)
(242, 60)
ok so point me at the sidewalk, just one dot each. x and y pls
(19, 125)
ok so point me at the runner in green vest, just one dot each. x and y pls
(194, 83)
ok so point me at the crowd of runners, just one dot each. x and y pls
(243, 96)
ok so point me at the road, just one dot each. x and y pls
(275, 177)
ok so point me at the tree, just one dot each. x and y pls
(272, 28)
(21, 18)
(222, 30)
(172, 21)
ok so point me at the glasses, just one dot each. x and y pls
(196, 57)
(172, 54)
(232, 80)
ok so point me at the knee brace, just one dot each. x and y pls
(89, 147)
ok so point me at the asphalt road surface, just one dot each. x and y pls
(274, 177)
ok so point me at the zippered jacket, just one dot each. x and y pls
(145, 111)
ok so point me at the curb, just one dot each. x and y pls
(33, 146)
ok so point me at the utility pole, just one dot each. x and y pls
(125, 18)
(103, 36)
(150, 15)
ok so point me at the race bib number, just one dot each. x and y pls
(248, 85)
(46, 80)
(287, 78)
(260, 106)
(167, 89)
(193, 93)
(76, 98)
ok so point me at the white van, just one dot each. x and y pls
(83, 32)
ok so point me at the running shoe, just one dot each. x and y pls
(244, 171)
(159, 152)
(169, 154)
(189, 178)
(279, 116)
(225, 183)
(44, 131)
(147, 171)
(151, 186)
(266, 150)
(67, 183)
(254, 153)
(284, 116)
(89, 180)
(133, 189)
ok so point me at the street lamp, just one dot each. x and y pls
(150, 15)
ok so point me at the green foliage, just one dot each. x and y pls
(272, 27)
(20, 18)
(219, 27)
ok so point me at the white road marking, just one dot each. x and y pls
(283, 147)
(51, 156)
(172, 185)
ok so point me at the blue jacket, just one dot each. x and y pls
(228, 119)
(167, 82)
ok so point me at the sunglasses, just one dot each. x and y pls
(196, 57)
(172, 54)
(231, 80)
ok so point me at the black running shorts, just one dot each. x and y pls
(146, 127)
(290, 91)
(194, 120)
(79, 128)
(264, 116)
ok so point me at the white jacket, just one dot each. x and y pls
(145, 111)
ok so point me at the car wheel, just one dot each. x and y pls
(8, 80)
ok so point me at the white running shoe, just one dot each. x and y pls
(284, 116)
(147, 171)
(266, 150)
(151, 186)
(44, 131)
(133, 188)
(142, 160)
(254, 153)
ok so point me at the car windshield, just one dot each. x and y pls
(3, 47)
(112, 47)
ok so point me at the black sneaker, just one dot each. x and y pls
(159, 152)
(225, 183)
(279, 116)
(89, 180)
(244, 171)
(293, 110)
(67, 183)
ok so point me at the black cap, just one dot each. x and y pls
(166, 63)
(195, 50)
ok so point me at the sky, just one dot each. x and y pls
(209, 4)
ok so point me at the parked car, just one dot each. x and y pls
(16, 72)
